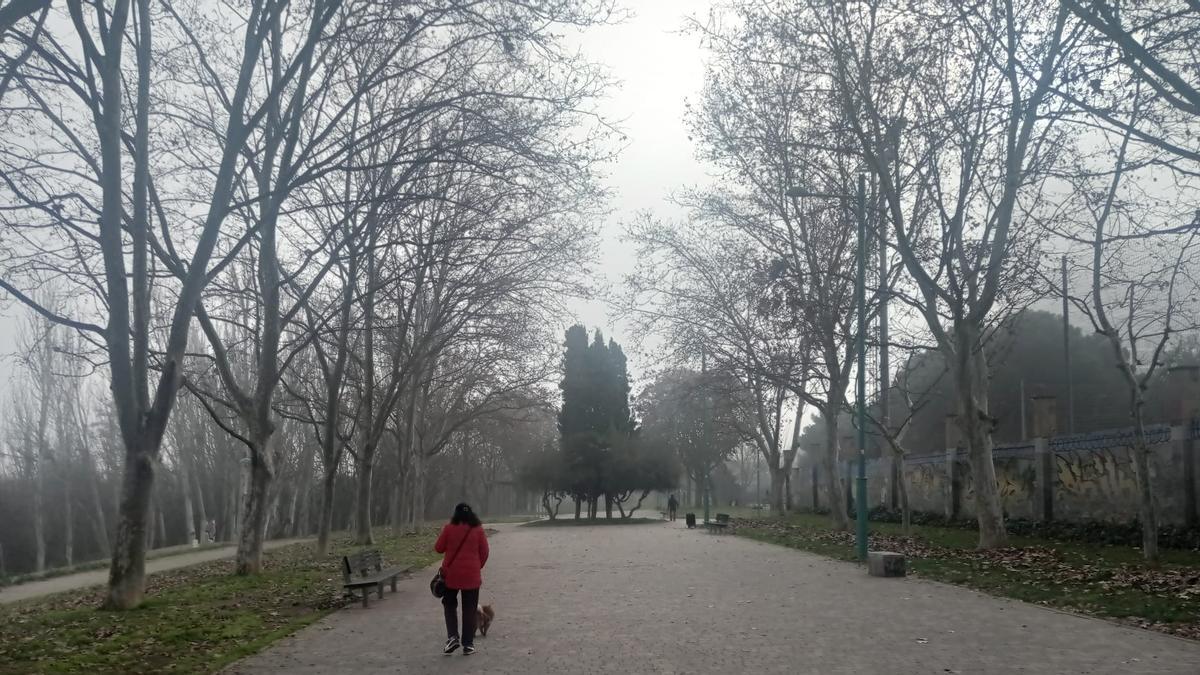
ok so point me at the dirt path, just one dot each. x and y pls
(34, 589)
(662, 599)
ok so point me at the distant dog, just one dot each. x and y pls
(484, 616)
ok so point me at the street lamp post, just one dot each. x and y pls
(860, 411)
(707, 435)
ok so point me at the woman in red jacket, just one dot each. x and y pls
(465, 551)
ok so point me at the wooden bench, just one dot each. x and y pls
(363, 570)
(721, 524)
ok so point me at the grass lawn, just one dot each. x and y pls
(194, 620)
(1107, 581)
(568, 521)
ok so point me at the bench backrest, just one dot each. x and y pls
(722, 517)
(361, 564)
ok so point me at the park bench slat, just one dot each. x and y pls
(718, 525)
(365, 569)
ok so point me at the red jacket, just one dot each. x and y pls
(464, 569)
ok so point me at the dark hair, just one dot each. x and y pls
(464, 514)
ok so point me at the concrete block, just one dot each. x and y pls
(885, 564)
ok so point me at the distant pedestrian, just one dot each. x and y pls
(672, 507)
(464, 550)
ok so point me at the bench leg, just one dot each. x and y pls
(379, 586)
(365, 593)
(393, 584)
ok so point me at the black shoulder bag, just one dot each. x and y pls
(438, 585)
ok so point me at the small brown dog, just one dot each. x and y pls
(483, 617)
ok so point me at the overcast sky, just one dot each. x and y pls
(657, 69)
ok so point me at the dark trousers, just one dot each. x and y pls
(470, 606)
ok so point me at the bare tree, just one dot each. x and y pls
(39, 359)
(72, 93)
(700, 289)
(1140, 266)
(959, 144)
(765, 119)
(79, 422)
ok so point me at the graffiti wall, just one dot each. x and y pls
(1089, 477)
(1093, 477)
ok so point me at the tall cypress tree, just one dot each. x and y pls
(618, 391)
(595, 413)
(573, 417)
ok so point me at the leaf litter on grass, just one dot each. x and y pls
(194, 619)
(1130, 593)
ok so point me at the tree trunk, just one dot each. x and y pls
(201, 512)
(152, 525)
(126, 574)
(39, 513)
(403, 484)
(396, 507)
(905, 510)
(290, 527)
(99, 521)
(162, 527)
(971, 381)
(188, 514)
(362, 508)
(274, 501)
(578, 507)
(417, 517)
(1147, 512)
(304, 519)
(68, 525)
(235, 488)
(608, 503)
(896, 474)
(831, 469)
(325, 519)
(255, 504)
(352, 513)
(638, 505)
(301, 489)
(465, 479)
(777, 481)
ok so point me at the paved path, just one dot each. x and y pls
(67, 582)
(662, 599)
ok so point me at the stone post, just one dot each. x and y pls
(1184, 385)
(1045, 427)
(952, 491)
